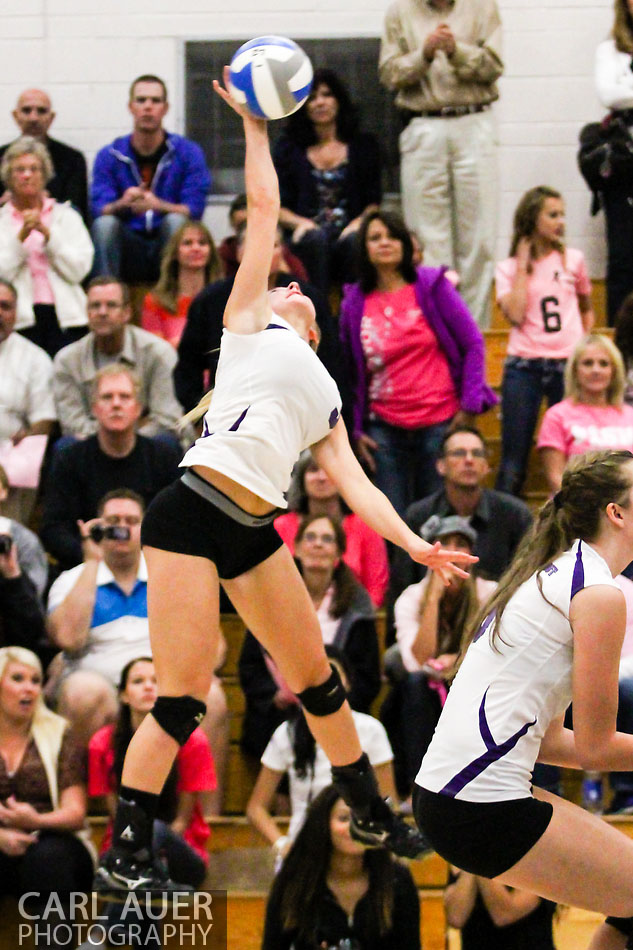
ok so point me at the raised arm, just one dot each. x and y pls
(335, 456)
(248, 310)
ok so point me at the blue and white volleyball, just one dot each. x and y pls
(271, 76)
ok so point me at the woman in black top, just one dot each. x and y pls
(331, 892)
(329, 175)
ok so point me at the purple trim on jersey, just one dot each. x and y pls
(333, 418)
(238, 422)
(578, 579)
(493, 754)
(275, 326)
(485, 624)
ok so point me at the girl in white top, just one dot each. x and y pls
(292, 750)
(552, 632)
(544, 293)
(272, 399)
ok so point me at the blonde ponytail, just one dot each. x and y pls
(197, 412)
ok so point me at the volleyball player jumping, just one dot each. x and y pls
(272, 399)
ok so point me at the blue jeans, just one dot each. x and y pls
(622, 782)
(525, 384)
(405, 461)
(129, 255)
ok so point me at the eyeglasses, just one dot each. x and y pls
(130, 520)
(109, 305)
(464, 453)
(312, 537)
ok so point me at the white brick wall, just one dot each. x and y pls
(85, 52)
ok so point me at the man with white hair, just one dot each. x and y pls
(33, 114)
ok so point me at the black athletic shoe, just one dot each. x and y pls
(384, 829)
(121, 873)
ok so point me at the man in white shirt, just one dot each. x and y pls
(98, 612)
(27, 406)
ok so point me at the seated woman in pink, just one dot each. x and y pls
(313, 493)
(190, 261)
(593, 414)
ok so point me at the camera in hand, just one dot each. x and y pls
(5, 543)
(111, 532)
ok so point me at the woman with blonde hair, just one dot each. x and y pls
(593, 414)
(544, 293)
(551, 633)
(189, 262)
(42, 790)
(272, 399)
(45, 250)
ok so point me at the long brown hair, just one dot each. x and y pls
(622, 31)
(343, 580)
(166, 290)
(302, 878)
(527, 212)
(590, 482)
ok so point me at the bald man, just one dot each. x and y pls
(34, 116)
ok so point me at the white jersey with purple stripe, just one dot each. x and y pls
(505, 696)
(273, 398)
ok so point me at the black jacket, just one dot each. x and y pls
(199, 346)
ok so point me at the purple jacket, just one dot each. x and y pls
(448, 317)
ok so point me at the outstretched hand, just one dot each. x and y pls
(440, 559)
(223, 92)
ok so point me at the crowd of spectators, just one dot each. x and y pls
(92, 394)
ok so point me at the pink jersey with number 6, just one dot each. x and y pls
(552, 325)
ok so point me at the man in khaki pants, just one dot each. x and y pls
(442, 58)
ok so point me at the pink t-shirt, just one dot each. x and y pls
(365, 551)
(574, 428)
(156, 319)
(196, 773)
(552, 325)
(410, 384)
(37, 259)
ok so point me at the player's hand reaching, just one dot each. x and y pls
(440, 559)
(223, 92)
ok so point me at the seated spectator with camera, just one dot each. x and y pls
(116, 455)
(30, 553)
(21, 615)
(98, 612)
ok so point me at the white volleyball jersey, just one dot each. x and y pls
(505, 696)
(273, 398)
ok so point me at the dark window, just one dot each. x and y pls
(218, 130)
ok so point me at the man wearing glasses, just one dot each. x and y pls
(113, 340)
(500, 520)
(98, 612)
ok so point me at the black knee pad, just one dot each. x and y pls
(178, 715)
(325, 699)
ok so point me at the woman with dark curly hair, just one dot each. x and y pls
(331, 892)
(415, 359)
(329, 175)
